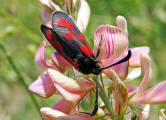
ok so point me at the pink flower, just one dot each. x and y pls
(52, 82)
(72, 91)
(113, 44)
(154, 95)
(141, 97)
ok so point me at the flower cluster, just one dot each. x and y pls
(118, 99)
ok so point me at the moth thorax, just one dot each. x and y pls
(88, 66)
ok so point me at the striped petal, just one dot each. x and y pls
(114, 41)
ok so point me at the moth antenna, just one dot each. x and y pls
(120, 61)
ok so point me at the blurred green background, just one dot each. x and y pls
(20, 32)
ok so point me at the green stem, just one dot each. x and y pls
(20, 76)
(106, 101)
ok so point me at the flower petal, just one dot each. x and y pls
(133, 73)
(156, 95)
(121, 94)
(147, 70)
(122, 23)
(114, 42)
(131, 88)
(63, 106)
(68, 83)
(72, 96)
(134, 61)
(83, 15)
(50, 114)
(43, 86)
(45, 14)
(55, 6)
(40, 60)
(60, 61)
(50, 4)
(45, 3)
(120, 69)
(70, 89)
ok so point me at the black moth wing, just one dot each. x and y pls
(69, 42)
(59, 44)
(64, 26)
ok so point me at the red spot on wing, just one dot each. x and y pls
(59, 46)
(49, 36)
(73, 63)
(69, 36)
(63, 22)
(80, 37)
(86, 51)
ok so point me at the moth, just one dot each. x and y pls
(66, 38)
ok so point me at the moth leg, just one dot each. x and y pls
(96, 100)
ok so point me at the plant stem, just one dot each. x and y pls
(20, 76)
(106, 101)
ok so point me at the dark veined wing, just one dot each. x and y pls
(65, 28)
(63, 49)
